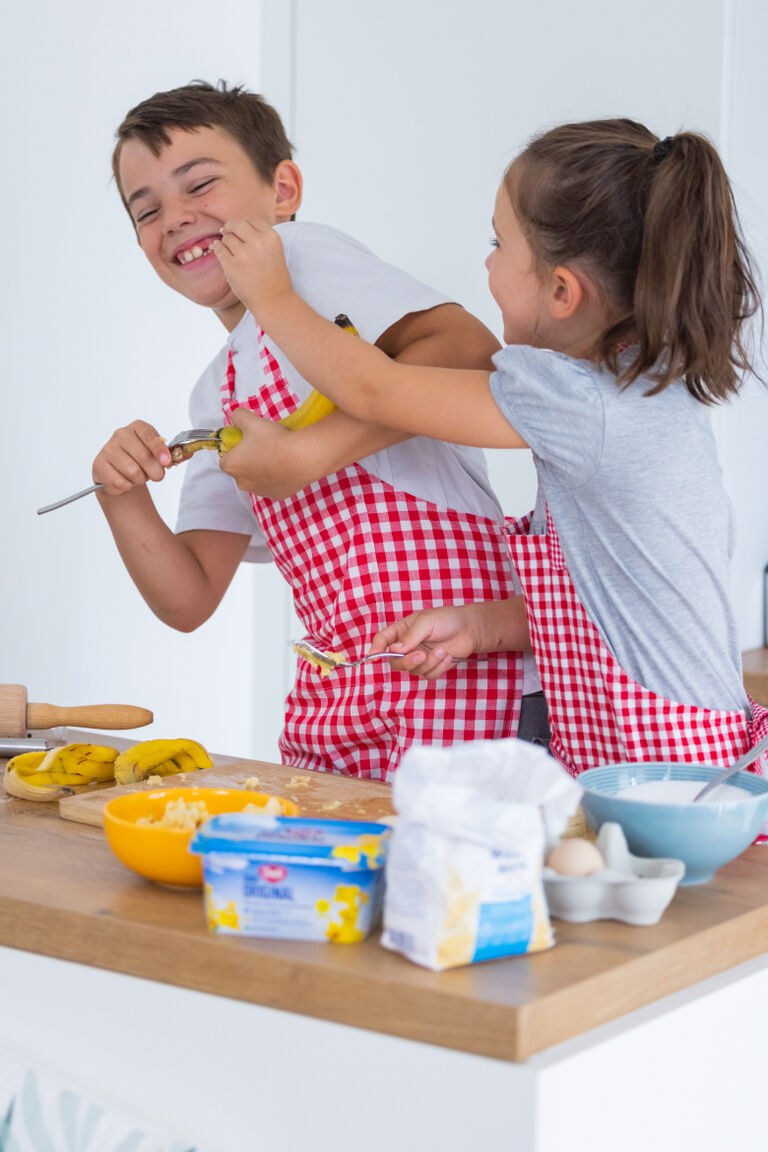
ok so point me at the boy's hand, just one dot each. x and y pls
(131, 457)
(430, 640)
(252, 257)
(260, 463)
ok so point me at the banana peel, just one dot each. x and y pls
(315, 407)
(52, 774)
(160, 758)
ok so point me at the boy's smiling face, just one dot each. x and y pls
(180, 199)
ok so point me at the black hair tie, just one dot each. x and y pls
(661, 149)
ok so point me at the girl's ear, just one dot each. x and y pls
(566, 293)
(287, 185)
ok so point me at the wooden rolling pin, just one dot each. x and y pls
(17, 716)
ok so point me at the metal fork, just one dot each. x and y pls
(331, 660)
(190, 436)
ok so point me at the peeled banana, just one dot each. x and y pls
(48, 775)
(160, 758)
(221, 439)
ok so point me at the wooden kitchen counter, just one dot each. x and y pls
(63, 894)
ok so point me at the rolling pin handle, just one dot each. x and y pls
(88, 716)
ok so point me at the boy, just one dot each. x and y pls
(365, 525)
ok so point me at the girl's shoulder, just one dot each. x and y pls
(541, 373)
(516, 358)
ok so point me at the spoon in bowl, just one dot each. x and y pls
(742, 762)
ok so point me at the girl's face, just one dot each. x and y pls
(514, 284)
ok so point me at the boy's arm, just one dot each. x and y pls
(446, 336)
(277, 463)
(448, 404)
(181, 577)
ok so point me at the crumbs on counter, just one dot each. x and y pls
(252, 783)
(154, 781)
(331, 806)
(300, 781)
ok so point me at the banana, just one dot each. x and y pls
(314, 408)
(160, 758)
(221, 439)
(48, 775)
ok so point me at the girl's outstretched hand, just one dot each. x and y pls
(261, 463)
(430, 640)
(252, 257)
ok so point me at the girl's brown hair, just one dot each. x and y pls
(654, 224)
(247, 117)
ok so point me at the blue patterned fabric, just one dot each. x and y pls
(39, 1113)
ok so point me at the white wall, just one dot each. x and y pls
(93, 340)
(742, 427)
(404, 115)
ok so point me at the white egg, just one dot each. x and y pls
(574, 857)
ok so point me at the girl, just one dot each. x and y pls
(624, 287)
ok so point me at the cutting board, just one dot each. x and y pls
(316, 793)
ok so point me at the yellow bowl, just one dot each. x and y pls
(160, 853)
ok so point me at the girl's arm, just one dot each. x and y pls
(430, 640)
(277, 463)
(444, 403)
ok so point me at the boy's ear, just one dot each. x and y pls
(566, 293)
(288, 186)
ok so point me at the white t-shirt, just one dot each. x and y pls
(334, 274)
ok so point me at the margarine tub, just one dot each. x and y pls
(293, 878)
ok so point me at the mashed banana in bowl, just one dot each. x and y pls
(150, 832)
(188, 816)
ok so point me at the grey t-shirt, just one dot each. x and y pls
(635, 491)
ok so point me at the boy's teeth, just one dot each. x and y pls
(195, 253)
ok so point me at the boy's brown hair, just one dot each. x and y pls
(654, 223)
(247, 117)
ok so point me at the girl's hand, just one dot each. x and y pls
(430, 639)
(131, 457)
(252, 257)
(261, 462)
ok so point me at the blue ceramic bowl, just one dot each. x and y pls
(704, 836)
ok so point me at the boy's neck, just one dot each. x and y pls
(231, 317)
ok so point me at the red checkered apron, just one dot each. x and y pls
(358, 555)
(598, 714)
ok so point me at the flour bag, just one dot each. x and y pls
(464, 872)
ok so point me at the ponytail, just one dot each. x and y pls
(655, 225)
(695, 286)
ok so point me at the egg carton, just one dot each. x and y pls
(629, 888)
